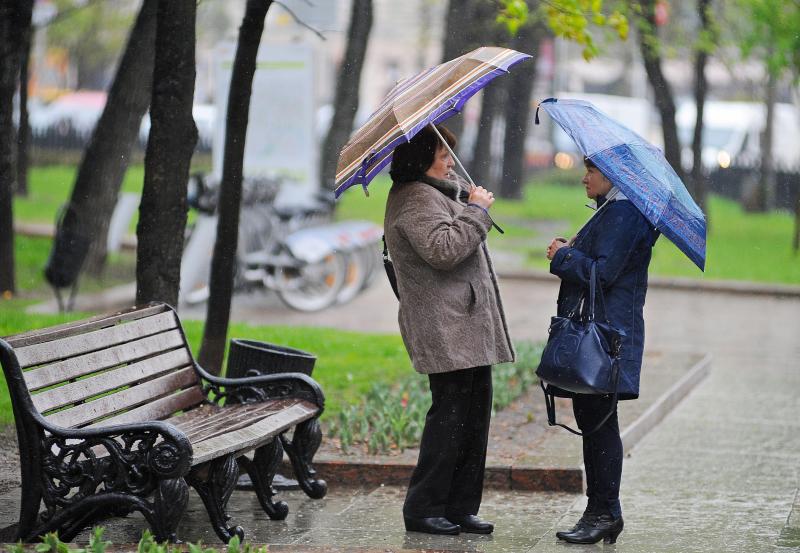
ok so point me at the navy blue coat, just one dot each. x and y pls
(621, 240)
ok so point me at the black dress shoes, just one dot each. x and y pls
(472, 524)
(603, 527)
(431, 525)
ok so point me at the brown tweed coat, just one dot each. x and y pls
(450, 316)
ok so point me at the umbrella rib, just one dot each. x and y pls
(672, 194)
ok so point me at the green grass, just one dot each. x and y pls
(49, 188)
(348, 363)
(741, 246)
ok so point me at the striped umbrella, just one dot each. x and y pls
(428, 97)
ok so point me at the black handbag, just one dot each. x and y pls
(581, 355)
(388, 266)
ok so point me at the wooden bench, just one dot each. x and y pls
(114, 415)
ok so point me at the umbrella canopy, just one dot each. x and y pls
(638, 169)
(428, 97)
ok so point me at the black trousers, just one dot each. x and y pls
(448, 478)
(602, 453)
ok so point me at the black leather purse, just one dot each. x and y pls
(388, 266)
(581, 355)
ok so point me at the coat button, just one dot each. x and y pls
(569, 255)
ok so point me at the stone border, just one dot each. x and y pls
(666, 403)
(535, 479)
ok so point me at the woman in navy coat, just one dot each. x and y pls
(620, 240)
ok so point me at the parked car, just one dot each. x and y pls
(732, 134)
(74, 111)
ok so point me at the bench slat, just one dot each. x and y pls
(245, 439)
(79, 327)
(210, 420)
(82, 365)
(63, 348)
(132, 397)
(109, 380)
(158, 409)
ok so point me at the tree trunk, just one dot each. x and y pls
(218, 308)
(648, 43)
(15, 17)
(348, 81)
(518, 114)
(106, 158)
(173, 135)
(698, 182)
(480, 168)
(24, 131)
(456, 43)
(767, 188)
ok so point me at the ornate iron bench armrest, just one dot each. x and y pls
(259, 388)
(81, 473)
(156, 445)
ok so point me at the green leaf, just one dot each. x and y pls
(234, 545)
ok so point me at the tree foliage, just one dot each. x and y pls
(92, 33)
(575, 20)
(768, 29)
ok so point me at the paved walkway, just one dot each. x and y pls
(720, 473)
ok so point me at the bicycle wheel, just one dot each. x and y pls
(312, 286)
(356, 273)
(373, 260)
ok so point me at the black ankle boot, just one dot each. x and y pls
(586, 519)
(604, 527)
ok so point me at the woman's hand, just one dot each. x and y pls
(557, 243)
(478, 195)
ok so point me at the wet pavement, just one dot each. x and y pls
(719, 473)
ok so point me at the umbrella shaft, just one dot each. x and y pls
(452, 153)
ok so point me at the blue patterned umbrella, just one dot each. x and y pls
(638, 169)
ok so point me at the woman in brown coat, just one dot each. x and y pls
(452, 324)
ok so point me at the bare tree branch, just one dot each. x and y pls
(300, 21)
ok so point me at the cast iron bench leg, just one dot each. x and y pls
(262, 470)
(170, 502)
(214, 483)
(301, 449)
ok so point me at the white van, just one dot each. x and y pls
(732, 134)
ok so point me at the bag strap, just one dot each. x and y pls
(388, 266)
(595, 294)
(550, 403)
(592, 289)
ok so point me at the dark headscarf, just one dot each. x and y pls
(411, 159)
